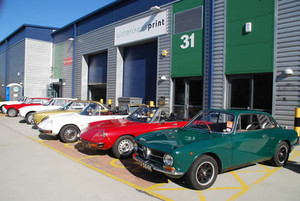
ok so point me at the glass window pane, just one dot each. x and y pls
(262, 99)
(179, 91)
(240, 93)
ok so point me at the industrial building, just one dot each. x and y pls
(185, 55)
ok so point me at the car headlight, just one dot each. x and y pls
(168, 160)
(100, 135)
(135, 146)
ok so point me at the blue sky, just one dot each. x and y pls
(53, 13)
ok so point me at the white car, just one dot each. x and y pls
(68, 126)
(55, 103)
(21, 100)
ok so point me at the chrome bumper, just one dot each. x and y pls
(47, 132)
(141, 161)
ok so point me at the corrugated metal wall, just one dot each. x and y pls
(219, 79)
(37, 67)
(163, 88)
(67, 52)
(101, 40)
(15, 63)
(287, 55)
(2, 73)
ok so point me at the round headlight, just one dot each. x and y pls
(168, 160)
(135, 146)
(146, 152)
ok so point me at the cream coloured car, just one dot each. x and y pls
(68, 126)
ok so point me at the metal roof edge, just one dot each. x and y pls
(24, 26)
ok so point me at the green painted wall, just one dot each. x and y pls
(187, 61)
(58, 61)
(249, 52)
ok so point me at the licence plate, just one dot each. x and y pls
(145, 165)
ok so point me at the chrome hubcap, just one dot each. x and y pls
(70, 134)
(125, 147)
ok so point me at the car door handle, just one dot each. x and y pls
(264, 136)
(174, 124)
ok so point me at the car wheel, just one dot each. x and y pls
(202, 173)
(69, 133)
(30, 118)
(12, 112)
(281, 155)
(123, 147)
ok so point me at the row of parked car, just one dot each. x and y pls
(211, 142)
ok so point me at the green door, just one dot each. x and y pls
(250, 142)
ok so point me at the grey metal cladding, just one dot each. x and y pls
(163, 88)
(101, 40)
(2, 74)
(219, 80)
(96, 41)
(37, 67)
(16, 63)
(67, 71)
(287, 55)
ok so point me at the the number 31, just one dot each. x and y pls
(188, 41)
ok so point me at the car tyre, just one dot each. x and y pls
(123, 147)
(69, 133)
(12, 112)
(281, 155)
(30, 118)
(203, 172)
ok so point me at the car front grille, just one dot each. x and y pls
(155, 156)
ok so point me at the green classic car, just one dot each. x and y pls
(212, 142)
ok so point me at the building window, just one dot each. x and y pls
(251, 92)
(188, 20)
(188, 96)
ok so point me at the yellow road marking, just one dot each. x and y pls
(244, 187)
(201, 196)
(113, 163)
(37, 140)
(82, 158)
(105, 173)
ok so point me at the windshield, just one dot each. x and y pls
(213, 121)
(66, 106)
(92, 109)
(145, 114)
(49, 102)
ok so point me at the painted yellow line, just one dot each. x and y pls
(265, 176)
(105, 173)
(295, 154)
(113, 163)
(82, 158)
(40, 141)
(154, 187)
(201, 196)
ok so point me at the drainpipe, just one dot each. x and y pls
(73, 64)
(6, 63)
(211, 51)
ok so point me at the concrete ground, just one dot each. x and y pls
(37, 167)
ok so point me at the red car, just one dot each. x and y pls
(13, 110)
(119, 134)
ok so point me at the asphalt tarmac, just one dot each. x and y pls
(31, 171)
(33, 168)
